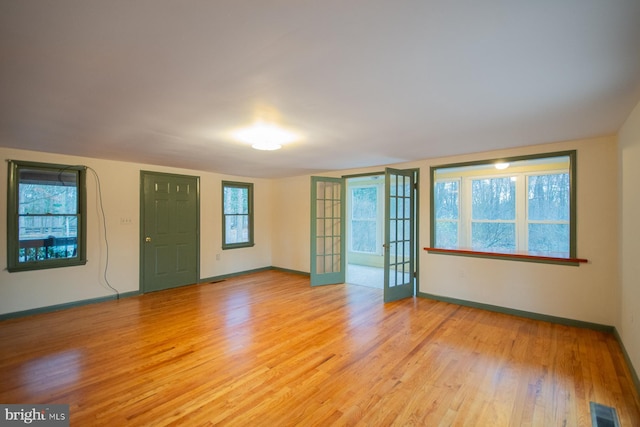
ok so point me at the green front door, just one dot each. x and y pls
(169, 230)
(327, 231)
(400, 234)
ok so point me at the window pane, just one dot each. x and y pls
(47, 192)
(545, 238)
(493, 199)
(47, 237)
(236, 200)
(393, 208)
(446, 200)
(493, 237)
(363, 236)
(365, 203)
(236, 229)
(447, 234)
(548, 197)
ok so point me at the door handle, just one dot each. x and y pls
(147, 239)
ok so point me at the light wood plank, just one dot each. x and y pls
(267, 349)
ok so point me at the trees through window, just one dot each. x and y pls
(46, 214)
(237, 214)
(522, 205)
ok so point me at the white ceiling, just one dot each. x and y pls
(365, 82)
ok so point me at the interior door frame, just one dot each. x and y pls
(348, 215)
(416, 219)
(142, 231)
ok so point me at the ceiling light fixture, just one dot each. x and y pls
(265, 136)
(502, 166)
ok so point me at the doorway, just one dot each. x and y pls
(365, 231)
(329, 237)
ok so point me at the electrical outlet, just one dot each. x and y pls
(217, 257)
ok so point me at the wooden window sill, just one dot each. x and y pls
(504, 256)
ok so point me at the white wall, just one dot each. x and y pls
(121, 197)
(587, 293)
(629, 322)
(291, 223)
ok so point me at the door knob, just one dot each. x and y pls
(147, 239)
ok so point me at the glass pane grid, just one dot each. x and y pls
(400, 231)
(46, 214)
(328, 227)
(541, 211)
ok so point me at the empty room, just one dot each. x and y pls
(319, 213)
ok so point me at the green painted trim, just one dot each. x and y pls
(227, 276)
(521, 313)
(64, 306)
(255, 270)
(13, 265)
(573, 203)
(249, 187)
(432, 209)
(634, 374)
(416, 223)
(506, 159)
(360, 175)
(287, 270)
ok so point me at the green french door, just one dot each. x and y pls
(169, 230)
(400, 234)
(327, 231)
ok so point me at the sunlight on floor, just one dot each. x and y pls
(371, 277)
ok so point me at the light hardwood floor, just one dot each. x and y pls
(266, 349)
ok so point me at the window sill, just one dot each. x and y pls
(237, 246)
(513, 257)
(44, 265)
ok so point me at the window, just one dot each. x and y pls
(46, 216)
(365, 219)
(522, 205)
(237, 215)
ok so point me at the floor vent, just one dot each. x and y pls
(603, 416)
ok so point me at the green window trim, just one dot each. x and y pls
(39, 251)
(237, 210)
(569, 259)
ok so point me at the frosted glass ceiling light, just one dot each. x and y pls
(502, 166)
(264, 136)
